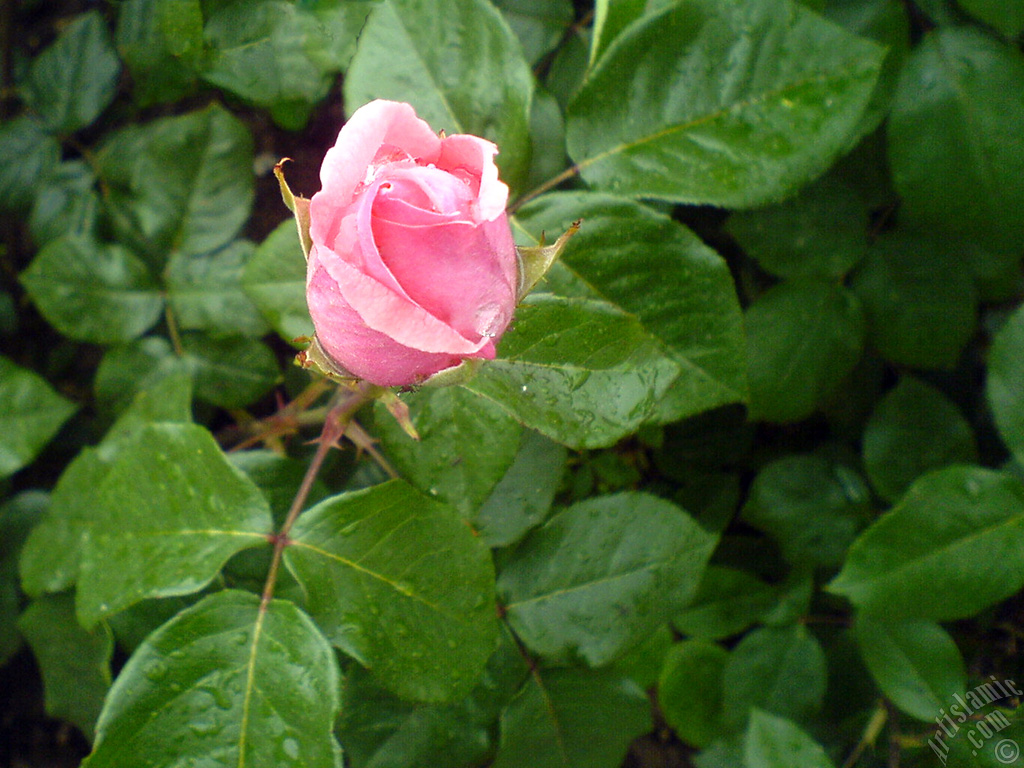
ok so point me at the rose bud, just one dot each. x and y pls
(411, 269)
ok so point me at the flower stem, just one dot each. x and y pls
(337, 422)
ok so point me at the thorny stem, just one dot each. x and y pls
(286, 420)
(337, 422)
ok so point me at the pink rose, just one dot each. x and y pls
(412, 267)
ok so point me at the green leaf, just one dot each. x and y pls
(31, 415)
(547, 139)
(398, 581)
(128, 369)
(569, 718)
(794, 599)
(50, 559)
(914, 429)
(1005, 388)
(726, 602)
(812, 506)
(74, 663)
(168, 514)
(992, 741)
(915, 663)
(148, 34)
(1005, 15)
(341, 22)
(610, 18)
(522, 498)
(93, 292)
(885, 22)
(380, 730)
(642, 664)
(133, 625)
(278, 477)
(578, 371)
(167, 399)
(275, 280)
(726, 752)
(779, 669)
(729, 103)
(19, 514)
(690, 690)
(67, 204)
(181, 24)
(949, 548)
(775, 742)
(27, 157)
(949, 135)
(602, 575)
(271, 53)
(569, 66)
(660, 272)
(822, 232)
(180, 183)
(468, 77)
(229, 682)
(70, 83)
(229, 371)
(447, 461)
(803, 338)
(205, 292)
(539, 24)
(920, 302)
(51, 555)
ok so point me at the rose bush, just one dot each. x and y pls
(412, 267)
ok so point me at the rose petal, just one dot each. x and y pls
(465, 275)
(401, 212)
(476, 155)
(345, 166)
(385, 311)
(431, 189)
(365, 353)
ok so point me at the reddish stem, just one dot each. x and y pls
(338, 419)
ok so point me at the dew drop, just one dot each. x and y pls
(221, 697)
(204, 727)
(291, 748)
(155, 671)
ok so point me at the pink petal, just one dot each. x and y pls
(360, 140)
(365, 353)
(385, 311)
(476, 155)
(462, 274)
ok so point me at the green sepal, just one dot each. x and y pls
(457, 374)
(299, 206)
(536, 260)
(400, 411)
(316, 357)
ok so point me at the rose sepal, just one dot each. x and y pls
(298, 205)
(316, 358)
(457, 374)
(400, 412)
(536, 260)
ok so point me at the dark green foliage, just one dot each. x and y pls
(753, 447)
